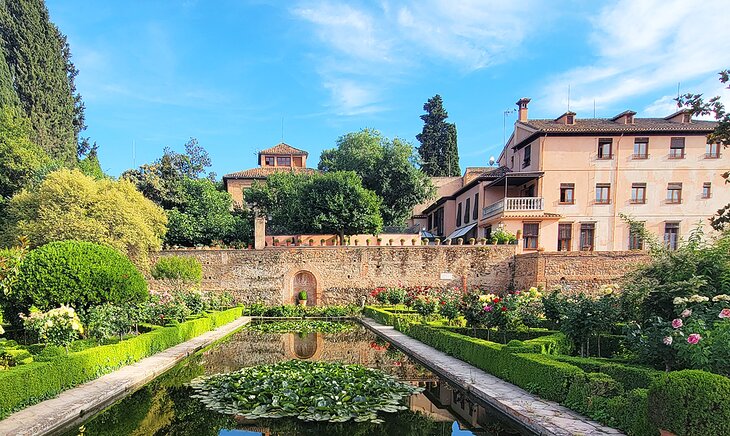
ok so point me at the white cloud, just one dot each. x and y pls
(369, 48)
(643, 46)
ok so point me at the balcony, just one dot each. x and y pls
(513, 204)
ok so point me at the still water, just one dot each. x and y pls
(164, 406)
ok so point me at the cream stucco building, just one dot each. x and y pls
(561, 183)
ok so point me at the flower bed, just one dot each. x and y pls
(611, 392)
(28, 384)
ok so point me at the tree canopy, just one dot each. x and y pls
(204, 216)
(385, 167)
(333, 202)
(20, 159)
(163, 180)
(37, 73)
(721, 135)
(71, 205)
(439, 152)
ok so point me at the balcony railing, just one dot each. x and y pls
(513, 204)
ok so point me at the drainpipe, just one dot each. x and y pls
(615, 192)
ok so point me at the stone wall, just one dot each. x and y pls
(576, 271)
(339, 275)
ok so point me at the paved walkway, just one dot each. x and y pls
(541, 416)
(77, 404)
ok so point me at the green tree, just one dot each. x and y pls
(20, 159)
(203, 216)
(721, 135)
(42, 76)
(385, 167)
(439, 152)
(69, 205)
(334, 202)
(163, 180)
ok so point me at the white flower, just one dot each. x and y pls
(721, 297)
(2, 330)
(679, 300)
(698, 299)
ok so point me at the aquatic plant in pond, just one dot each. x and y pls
(300, 326)
(309, 391)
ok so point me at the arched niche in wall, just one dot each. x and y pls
(302, 279)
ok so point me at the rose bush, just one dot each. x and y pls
(59, 326)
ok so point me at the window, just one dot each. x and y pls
(605, 146)
(475, 214)
(430, 222)
(567, 193)
(458, 215)
(706, 190)
(530, 233)
(603, 193)
(674, 193)
(269, 160)
(671, 235)
(526, 160)
(712, 151)
(570, 119)
(565, 236)
(587, 235)
(638, 193)
(283, 161)
(488, 232)
(636, 242)
(467, 211)
(512, 161)
(676, 148)
(629, 119)
(641, 148)
(438, 221)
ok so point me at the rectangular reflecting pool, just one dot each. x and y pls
(165, 406)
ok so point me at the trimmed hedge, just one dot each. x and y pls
(386, 317)
(76, 273)
(690, 403)
(631, 377)
(37, 381)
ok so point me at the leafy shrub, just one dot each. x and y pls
(75, 273)
(59, 326)
(690, 403)
(185, 268)
(28, 384)
(108, 320)
(585, 390)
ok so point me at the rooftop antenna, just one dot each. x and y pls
(594, 108)
(282, 128)
(568, 97)
(134, 154)
(504, 124)
(678, 83)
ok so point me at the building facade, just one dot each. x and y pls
(562, 184)
(279, 158)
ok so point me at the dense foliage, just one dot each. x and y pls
(300, 326)
(74, 273)
(439, 152)
(309, 391)
(37, 75)
(69, 205)
(292, 311)
(332, 202)
(385, 167)
(185, 268)
(59, 326)
(21, 160)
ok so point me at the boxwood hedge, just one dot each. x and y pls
(28, 384)
(76, 273)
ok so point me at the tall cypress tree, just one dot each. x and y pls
(42, 76)
(439, 152)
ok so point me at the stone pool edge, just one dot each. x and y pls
(534, 413)
(79, 403)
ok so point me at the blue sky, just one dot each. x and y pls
(227, 72)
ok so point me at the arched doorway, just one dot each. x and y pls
(304, 281)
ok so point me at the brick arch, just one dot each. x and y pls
(306, 279)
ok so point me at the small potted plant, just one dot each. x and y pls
(302, 297)
(380, 241)
(321, 242)
(447, 241)
(459, 241)
(483, 241)
(437, 241)
(472, 241)
(390, 242)
(424, 241)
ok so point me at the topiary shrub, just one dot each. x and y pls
(691, 402)
(185, 268)
(75, 273)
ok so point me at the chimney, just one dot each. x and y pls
(522, 109)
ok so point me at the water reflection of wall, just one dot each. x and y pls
(359, 346)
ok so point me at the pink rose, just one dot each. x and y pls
(685, 313)
(488, 308)
(724, 313)
(677, 323)
(667, 340)
(694, 338)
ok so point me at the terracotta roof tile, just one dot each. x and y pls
(264, 172)
(607, 125)
(284, 149)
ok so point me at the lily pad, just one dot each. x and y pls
(300, 326)
(309, 391)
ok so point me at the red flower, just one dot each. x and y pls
(504, 308)
(497, 300)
